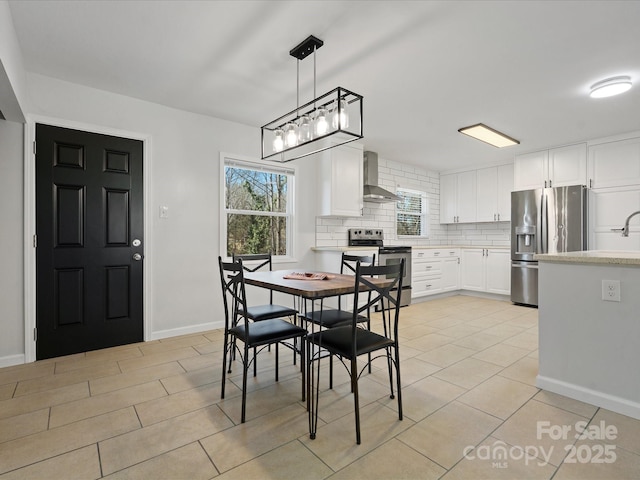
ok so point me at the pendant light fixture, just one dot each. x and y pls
(327, 121)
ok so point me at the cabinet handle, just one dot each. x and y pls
(494, 217)
(591, 183)
(498, 217)
(545, 184)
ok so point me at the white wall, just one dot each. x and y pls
(185, 176)
(332, 232)
(12, 74)
(11, 243)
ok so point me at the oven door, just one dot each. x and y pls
(394, 258)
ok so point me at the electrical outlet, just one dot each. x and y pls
(611, 290)
(164, 211)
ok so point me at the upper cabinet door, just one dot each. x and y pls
(487, 194)
(448, 191)
(466, 197)
(531, 170)
(340, 177)
(568, 166)
(505, 187)
(615, 164)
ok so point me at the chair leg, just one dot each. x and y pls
(398, 384)
(356, 401)
(277, 359)
(224, 364)
(245, 371)
(389, 362)
(255, 361)
(331, 370)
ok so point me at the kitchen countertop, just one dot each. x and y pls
(414, 247)
(603, 257)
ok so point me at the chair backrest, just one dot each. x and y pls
(349, 261)
(348, 264)
(263, 259)
(234, 297)
(386, 298)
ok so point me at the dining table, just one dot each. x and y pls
(308, 287)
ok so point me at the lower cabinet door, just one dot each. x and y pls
(473, 269)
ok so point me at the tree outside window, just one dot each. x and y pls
(257, 209)
(412, 213)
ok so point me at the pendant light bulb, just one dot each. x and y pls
(278, 141)
(340, 116)
(291, 135)
(322, 126)
(304, 129)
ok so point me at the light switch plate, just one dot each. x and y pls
(611, 290)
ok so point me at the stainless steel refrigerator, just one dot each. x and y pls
(544, 220)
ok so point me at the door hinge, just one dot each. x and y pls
(34, 147)
(35, 241)
(35, 334)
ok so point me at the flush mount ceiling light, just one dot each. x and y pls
(489, 135)
(610, 87)
(327, 121)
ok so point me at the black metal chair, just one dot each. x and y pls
(269, 310)
(258, 313)
(254, 335)
(332, 317)
(348, 342)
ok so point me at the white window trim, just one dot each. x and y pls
(424, 214)
(250, 162)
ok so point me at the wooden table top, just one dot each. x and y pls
(337, 285)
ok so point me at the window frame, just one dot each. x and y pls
(229, 159)
(424, 215)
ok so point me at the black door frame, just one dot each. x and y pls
(30, 221)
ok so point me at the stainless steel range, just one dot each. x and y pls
(387, 255)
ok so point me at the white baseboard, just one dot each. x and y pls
(11, 360)
(174, 332)
(594, 397)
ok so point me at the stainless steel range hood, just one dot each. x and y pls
(372, 191)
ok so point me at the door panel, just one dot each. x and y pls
(89, 208)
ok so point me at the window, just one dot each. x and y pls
(258, 206)
(412, 213)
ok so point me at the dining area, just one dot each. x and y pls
(312, 330)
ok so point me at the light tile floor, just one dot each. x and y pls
(153, 410)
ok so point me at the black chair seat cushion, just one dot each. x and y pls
(259, 313)
(267, 331)
(339, 341)
(331, 318)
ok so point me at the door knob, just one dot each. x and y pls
(137, 257)
(136, 242)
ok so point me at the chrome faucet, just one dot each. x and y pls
(625, 229)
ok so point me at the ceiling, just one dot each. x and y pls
(425, 68)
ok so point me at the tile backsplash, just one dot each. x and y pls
(332, 231)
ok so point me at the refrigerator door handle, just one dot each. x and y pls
(543, 244)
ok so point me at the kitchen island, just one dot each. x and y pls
(589, 342)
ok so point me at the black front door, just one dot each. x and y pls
(89, 227)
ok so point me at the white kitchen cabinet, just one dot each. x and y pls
(340, 178)
(498, 271)
(493, 193)
(486, 270)
(556, 167)
(458, 197)
(434, 271)
(615, 164)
